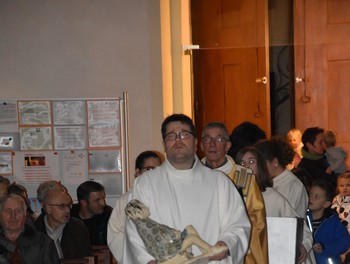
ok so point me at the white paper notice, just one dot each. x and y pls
(34, 113)
(74, 165)
(69, 112)
(70, 137)
(6, 163)
(36, 138)
(8, 116)
(105, 161)
(103, 123)
(35, 167)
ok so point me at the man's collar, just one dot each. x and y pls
(208, 165)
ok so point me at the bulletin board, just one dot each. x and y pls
(69, 140)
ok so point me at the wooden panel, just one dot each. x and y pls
(337, 12)
(232, 38)
(338, 78)
(322, 53)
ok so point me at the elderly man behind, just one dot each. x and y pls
(182, 191)
(215, 143)
(19, 243)
(70, 235)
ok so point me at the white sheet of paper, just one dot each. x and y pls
(282, 236)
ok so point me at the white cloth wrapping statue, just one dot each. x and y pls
(200, 197)
(165, 244)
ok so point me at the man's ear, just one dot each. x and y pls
(201, 144)
(228, 146)
(83, 202)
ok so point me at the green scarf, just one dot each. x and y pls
(310, 156)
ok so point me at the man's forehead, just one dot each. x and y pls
(97, 194)
(57, 197)
(177, 124)
(12, 203)
(214, 131)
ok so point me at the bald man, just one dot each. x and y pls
(70, 235)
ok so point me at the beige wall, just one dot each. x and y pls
(86, 49)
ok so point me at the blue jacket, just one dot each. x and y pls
(334, 238)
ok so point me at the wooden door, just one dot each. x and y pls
(322, 61)
(233, 53)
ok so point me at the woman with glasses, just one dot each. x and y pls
(276, 205)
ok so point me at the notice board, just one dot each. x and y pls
(69, 140)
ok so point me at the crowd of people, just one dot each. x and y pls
(226, 196)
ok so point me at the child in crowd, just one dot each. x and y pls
(331, 237)
(336, 156)
(341, 203)
(294, 138)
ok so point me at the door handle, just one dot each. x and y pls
(298, 80)
(262, 80)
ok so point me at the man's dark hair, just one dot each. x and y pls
(177, 118)
(4, 180)
(140, 160)
(309, 135)
(84, 189)
(244, 135)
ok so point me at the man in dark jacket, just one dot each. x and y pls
(314, 159)
(20, 243)
(70, 235)
(93, 211)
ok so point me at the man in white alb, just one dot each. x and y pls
(182, 192)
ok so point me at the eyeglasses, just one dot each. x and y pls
(218, 139)
(148, 168)
(62, 206)
(246, 163)
(181, 134)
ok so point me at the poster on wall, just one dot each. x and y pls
(70, 137)
(73, 169)
(103, 123)
(67, 140)
(69, 112)
(34, 112)
(36, 138)
(74, 166)
(8, 116)
(35, 167)
(105, 161)
(6, 163)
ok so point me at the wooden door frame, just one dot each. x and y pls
(176, 65)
